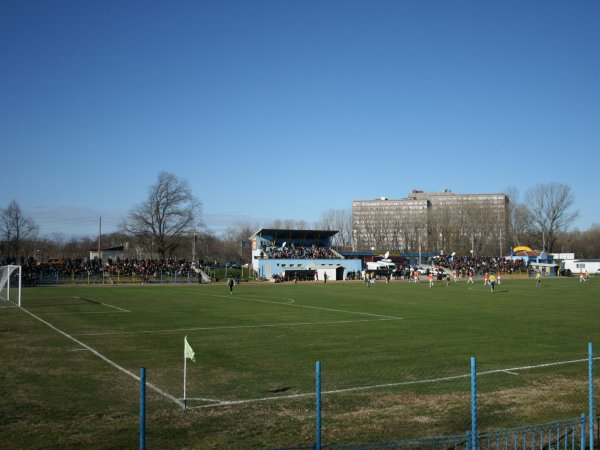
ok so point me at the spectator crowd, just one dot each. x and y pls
(481, 264)
(32, 269)
(154, 268)
(293, 252)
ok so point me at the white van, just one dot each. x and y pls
(574, 266)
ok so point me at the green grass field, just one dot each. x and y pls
(395, 361)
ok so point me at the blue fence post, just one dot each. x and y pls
(591, 392)
(582, 432)
(142, 408)
(318, 407)
(473, 404)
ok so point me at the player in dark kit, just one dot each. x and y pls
(230, 283)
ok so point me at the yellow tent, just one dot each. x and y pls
(522, 248)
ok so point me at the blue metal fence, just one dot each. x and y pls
(569, 434)
(51, 278)
(564, 434)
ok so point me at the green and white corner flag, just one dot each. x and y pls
(189, 351)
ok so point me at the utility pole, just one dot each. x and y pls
(194, 249)
(472, 249)
(501, 243)
(100, 240)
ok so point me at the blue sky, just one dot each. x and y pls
(284, 110)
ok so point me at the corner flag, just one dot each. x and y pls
(188, 351)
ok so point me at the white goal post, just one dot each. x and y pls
(10, 285)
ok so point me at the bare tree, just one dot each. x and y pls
(397, 235)
(208, 247)
(519, 224)
(375, 234)
(585, 244)
(339, 220)
(518, 218)
(169, 211)
(238, 243)
(289, 224)
(77, 246)
(548, 206)
(476, 223)
(15, 228)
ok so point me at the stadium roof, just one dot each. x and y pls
(295, 234)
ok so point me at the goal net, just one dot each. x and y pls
(10, 286)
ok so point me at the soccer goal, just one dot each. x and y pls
(10, 286)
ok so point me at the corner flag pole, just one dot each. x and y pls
(188, 352)
(184, 376)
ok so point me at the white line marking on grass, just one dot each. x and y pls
(202, 399)
(117, 307)
(253, 400)
(235, 297)
(236, 327)
(101, 303)
(379, 386)
(82, 313)
(514, 369)
(109, 361)
(510, 373)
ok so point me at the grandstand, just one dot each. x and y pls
(301, 254)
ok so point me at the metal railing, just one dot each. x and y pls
(569, 434)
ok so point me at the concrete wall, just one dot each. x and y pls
(270, 267)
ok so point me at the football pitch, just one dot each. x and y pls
(395, 361)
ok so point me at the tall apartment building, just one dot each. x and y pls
(435, 222)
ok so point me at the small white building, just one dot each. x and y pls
(563, 256)
(112, 253)
(574, 267)
(333, 271)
